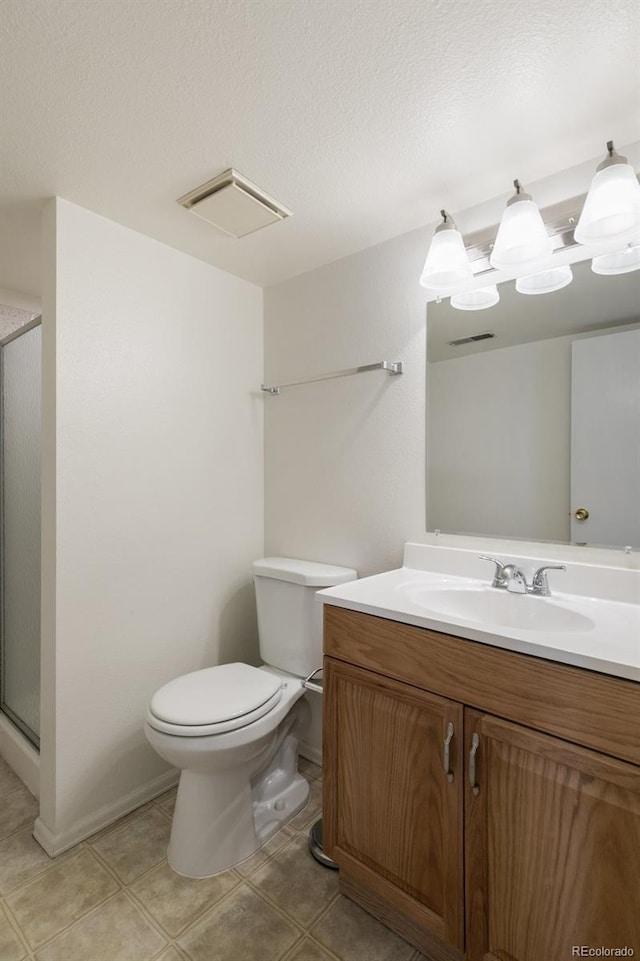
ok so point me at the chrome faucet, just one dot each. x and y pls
(510, 577)
(539, 581)
(499, 577)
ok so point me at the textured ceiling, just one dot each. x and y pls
(363, 116)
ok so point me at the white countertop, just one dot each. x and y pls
(607, 642)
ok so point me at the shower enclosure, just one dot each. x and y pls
(20, 382)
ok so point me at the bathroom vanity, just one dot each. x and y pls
(483, 799)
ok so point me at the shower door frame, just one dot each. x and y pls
(24, 728)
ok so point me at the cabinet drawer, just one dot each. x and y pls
(595, 710)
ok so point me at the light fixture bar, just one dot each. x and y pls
(560, 220)
(529, 240)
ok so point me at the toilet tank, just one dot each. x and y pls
(289, 616)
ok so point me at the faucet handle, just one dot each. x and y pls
(498, 578)
(539, 581)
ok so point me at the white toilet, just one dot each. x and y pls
(234, 730)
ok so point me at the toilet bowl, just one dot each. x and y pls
(238, 786)
(234, 730)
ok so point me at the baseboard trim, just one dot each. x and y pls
(55, 844)
(20, 755)
(311, 752)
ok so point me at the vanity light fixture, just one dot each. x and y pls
(447, 265)
(618, 261)
(546, 281)
(522, 242)
(478, 299)
(526, 240)
(611, 211)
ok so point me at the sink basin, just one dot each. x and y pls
(486, 605)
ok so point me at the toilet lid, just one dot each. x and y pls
(214, 695)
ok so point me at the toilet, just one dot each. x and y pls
(234, 730)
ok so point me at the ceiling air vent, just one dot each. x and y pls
(233, 204)
(473, 339)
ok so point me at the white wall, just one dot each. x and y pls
(15, 298)
(345, 459)
(152, 501)
(501, 414)
(344, 465)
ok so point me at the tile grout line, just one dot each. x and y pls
(15, 926)
(140, 877)
(193, 922)
(277, 907)
(331, 955)
(80, 917)
(165, 814)
(268, 857)
(72, 924)
(149, 918)
(167, 939)
(114, 874)
(53, 862)
(23, 827)
(182, 956)
(227, 896)
(325, 910)
(270, 903)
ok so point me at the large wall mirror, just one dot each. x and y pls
(534, 433)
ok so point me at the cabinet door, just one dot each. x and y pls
(393, 816)
(552, 847)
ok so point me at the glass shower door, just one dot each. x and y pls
(20, 542)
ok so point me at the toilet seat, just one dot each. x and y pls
(214, 700)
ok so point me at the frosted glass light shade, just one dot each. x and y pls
(522, 242)
(478, 299)
(618, 262)
(546, 281)
(447, 265)
(611, 211)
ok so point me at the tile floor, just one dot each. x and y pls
(114, 898)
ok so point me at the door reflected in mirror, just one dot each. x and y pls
(534, 433)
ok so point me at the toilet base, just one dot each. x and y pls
(280, 792)
(222, 817)
(191, 856)
(270, 816)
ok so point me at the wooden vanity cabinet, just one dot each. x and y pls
(552, 847)
(397, 815)
(523, 853)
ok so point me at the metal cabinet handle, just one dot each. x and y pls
(446, 754)
(475, 744)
